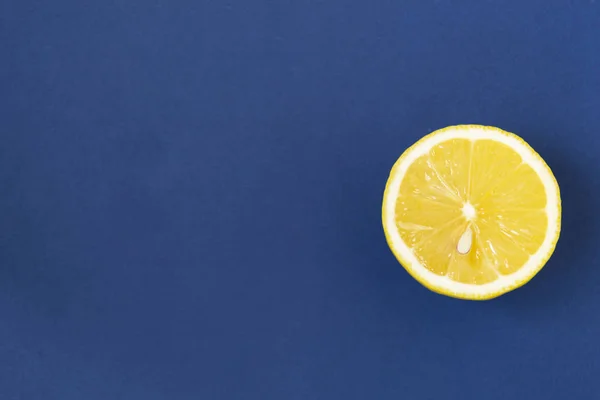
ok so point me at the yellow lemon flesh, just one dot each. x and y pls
(471, 211)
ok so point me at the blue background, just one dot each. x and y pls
(190, 198)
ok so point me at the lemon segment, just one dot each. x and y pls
(471, 211)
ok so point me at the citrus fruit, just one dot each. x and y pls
(471, 211)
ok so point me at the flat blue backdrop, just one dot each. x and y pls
(190, 198)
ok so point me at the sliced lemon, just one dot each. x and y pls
(471, 211)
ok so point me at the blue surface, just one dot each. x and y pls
(190, 198)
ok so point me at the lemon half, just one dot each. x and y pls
(471, 211)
